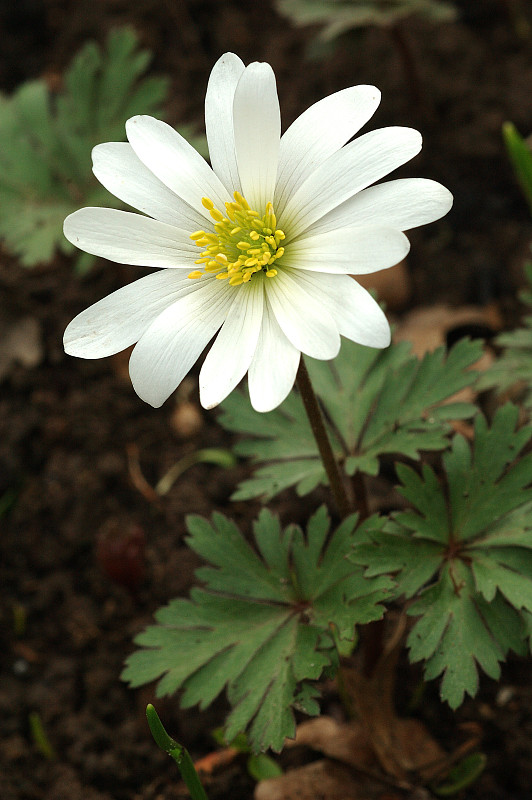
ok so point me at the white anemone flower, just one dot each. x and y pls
(257, 249)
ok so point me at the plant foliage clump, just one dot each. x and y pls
(376, 402)
(262, 626)
(46, 141)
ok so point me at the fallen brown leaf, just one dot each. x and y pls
(403, 747)
(427, 327)
(320, 780)
(345, 741)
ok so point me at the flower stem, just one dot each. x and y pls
(310, 401)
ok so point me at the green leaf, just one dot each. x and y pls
(462, 775)
(261, 767)
(453, 635)
(261, 626)
(482, 490)
(468, 539)
(376, 402)
(394, 551)
(521, 157)
(176, 751)
(46, 143)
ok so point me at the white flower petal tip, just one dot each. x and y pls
(255, 252)
(273, 369)
(442, 200)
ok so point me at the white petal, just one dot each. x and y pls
(130, 238)
(301, 316)
(273, 370)
(257, 122)
(219, 119)
(121, 172)
(348, 250)
(120, 319)
(347, 172)
(318, 133)
(229, 358)
(358, 316)
(175, 162)
(403, 204)
(175, 340)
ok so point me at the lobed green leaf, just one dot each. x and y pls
(468, 540)
(376, 402)
(46, 142)
(262, 625)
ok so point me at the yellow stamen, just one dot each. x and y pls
(238, 251)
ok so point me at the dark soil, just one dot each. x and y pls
(73, 432)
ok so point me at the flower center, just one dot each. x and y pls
(243, 243)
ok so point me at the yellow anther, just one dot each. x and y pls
(241, 200)
(270, 216)
(240, 243)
